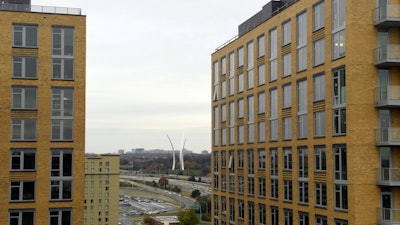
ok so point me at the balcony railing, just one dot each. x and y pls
(389, 216)
(387, 16)
(387, 97)
(387, 55)
(388, 176)
(388, 136)
(39, 9)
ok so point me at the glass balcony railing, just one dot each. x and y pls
(387, 16)
(387, 55)
(388, 176)
(388, 216)
(39, 9)
(388, 136)
(387, 97)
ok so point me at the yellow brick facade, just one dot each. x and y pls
(361, 118)
(101, 190)
(43, 144)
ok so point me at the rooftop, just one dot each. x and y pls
(39, 9)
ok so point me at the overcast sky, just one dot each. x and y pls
(148, 69)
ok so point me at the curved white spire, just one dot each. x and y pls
(173, 153)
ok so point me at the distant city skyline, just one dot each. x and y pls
(148, 69)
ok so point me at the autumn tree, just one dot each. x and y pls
(163, 182)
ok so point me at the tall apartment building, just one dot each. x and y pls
(101, 191)
(306, 115)
(42, 114)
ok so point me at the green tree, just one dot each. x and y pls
(195, 193)
(188, 217)
(163, 182)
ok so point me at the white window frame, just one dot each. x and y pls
(22, 94)
(22, 126)
(24, 31)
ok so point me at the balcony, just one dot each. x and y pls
(388, 55)
(389, 136)
(39, 9)
(387, 16)
(389, 216)
(387, 97)
(388, 176)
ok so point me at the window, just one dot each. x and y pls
(274, 216)
(25, 36)
(261, 187)
(61, 174)
(231, 183)
(320, 194)
(223, 136)
(273, 154)
(215, 162)
(303, 218)
(341, 200)
(261, 131)
(22, 191)
(286, 33)
(302, 42)
(320, 220)
(261, 158)
(250, 55)
(223, 182)
(340, 222)
(241, 134)
(318, 16)
(240, 159)
(231, 122)
(288, 215)
(63, 53)
(319, 52)
(22, 217)
(223, 113)
(223, 204)
(223, 159)
(250, 79)
(302, 127)
(339, 102)
(23, 129)
(273, 55)
(287, 65)
(240, 184)
(250, 119)
(287, 128)
(250, 181)
(215, 182)
(223, 65)
(231, 163)
(261, 74)
(23, 159)
(240, 56)
(287, 96)
(241, 209)
(232, 210)
(240, 108)
(231, 64)
(24, 97)
(240, 83)
(25, 67)
(320, 158)
(338, 28)
(273, 119)
(287, 190)
(251, 213)
(319, 124)
(262, 214)
(261, 45)
(303, 162)
(215, 205)
(287, 158)
(250, 161)
(231, 86)
(261, 102)
(60, 217)
(274, 189)
(303, 192)
(62, 110)
(319, 87)
(223, 89)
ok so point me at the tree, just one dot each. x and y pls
(147, 220)
(188, 217)
(163, 182)
(192, 178)
(195, 193)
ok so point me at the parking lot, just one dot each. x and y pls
(136, 204)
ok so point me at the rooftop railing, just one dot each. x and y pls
(39, 9)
